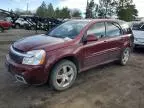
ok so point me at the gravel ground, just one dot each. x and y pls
(107, 86)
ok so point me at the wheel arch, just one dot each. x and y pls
(17, 24)
(71, 58)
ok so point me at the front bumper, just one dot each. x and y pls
(25, 73)
(139, 45)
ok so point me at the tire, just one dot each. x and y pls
(63, 75)
(1, 29)
(9, 28)
(32, 28)
(17, 26)
(125, 56)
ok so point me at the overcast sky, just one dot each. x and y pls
(79, 4)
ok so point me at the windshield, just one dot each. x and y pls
(68, 29)
(138, 26)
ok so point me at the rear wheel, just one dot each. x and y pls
(125, 56)
(63, 75)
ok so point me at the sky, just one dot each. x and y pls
(72, 4)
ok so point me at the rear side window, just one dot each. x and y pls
(112, 29)
(127, 27)
(97, 29)
(127, 31)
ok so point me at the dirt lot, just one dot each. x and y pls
(108, 86)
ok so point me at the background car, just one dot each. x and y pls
(138, 31)
(4, 25)
(20, 22)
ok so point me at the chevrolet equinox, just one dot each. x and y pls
(68, 49)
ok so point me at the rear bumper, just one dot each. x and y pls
(27, 74)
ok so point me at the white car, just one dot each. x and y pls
(138, 38)
(138, 31)
(20, 22)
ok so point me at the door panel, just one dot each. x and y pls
(96, 52)
(115, 40)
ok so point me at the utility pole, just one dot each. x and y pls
(27, 3)
(27, 7)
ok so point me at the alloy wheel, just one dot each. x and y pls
(126, 55)
(65, 76)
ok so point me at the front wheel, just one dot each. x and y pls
(63, 75)
(1, 29)
(125, 56)
(17, 26)
(32, 28)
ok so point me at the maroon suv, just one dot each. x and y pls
(70, 48)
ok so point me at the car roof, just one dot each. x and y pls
(97, 20)
(122, 23)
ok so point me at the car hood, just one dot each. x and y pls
(138, 34)
(38, 42)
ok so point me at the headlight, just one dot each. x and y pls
(38, 57)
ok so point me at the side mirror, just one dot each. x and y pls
(91, 37)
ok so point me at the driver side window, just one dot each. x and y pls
(112, 29)
(97, 29)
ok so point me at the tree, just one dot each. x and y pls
(50, 11)
(96, 11)
(123, 3)
(18, 11)
(90, 9)
(57, 13)
(107, 8)
(75, 13)
(87, 10)
(65, 13)
(126, 10)
(11, 11)
(42, 10)
(101, 12)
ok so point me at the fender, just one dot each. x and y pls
(57, 55)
